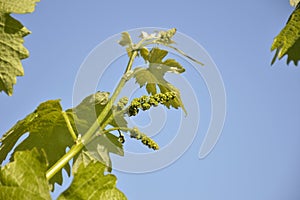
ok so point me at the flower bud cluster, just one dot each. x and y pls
(166, 36)
(122, 103)
(145, 102)
(135, 133)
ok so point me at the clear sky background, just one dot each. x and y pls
(258, 154)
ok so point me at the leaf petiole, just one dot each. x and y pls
(70, 128)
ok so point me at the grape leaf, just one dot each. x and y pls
(11, 40)
(86, 113)
(91, 183)
(287, 42)
(18, 6)
(25, 178)
(98, 150)
(144, 53)
(84, 158)
(10, 138)
(101, 146)
(47, 130)
(153, 76)
(125, 39)
(294, 2)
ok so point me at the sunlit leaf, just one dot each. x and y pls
(287, 42)
(91, 183)
(18, 6)
(144, 53)
(99, 149)
(84, 158)
(84, 115)
(12, 50)
(153, 76)
(87, 112)
(47, 130)
(25, 178)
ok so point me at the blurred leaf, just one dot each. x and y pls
(153, 76)
(125, 39)
(294, 2)
(287, 41)
(91, 183)
(12, 50)
(25, 178)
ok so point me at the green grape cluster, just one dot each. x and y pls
(145, 102)
(135, 133)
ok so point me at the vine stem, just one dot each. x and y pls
(118, 128)
(81, 142)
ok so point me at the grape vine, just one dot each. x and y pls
(93, 129)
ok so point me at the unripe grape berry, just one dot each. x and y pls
(146, 106)
(143, 99)
(121, 138)
(152, 101)
(157, 97)
(170, 95)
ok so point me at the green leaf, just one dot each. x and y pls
(84, 158)
(18, 6)
(174, 66)
(25, 178)
(84, 115)
(144, 53)
(153, 76)
(125, 39)
(91, 183)
(294, 2)
(11, 42)
(47, 130)
(156, 55)
(10, 138)
(101, 146)
(143, 76)
(287, 42)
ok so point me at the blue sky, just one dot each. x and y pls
(257, 156)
